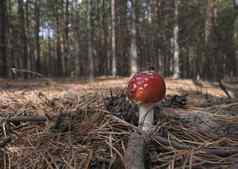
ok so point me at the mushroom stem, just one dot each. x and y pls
(146, 117)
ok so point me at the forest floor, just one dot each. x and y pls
(70, 124)
(172, 86)
(197, 91)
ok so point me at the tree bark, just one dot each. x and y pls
(66, 36)
(210, 42)
(209, 19)
(37, 37)
(24, 43)
(90, 41)
(231, 90)
(133, 48)
(105, 41)
(25, 40)
(134, 156)
(176, 43)
(203, 121)
(50, 56)
(58, 43)
(113, 11)
(76, 27)
(3, 38)
(28, 37)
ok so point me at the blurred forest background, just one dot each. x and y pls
(84, 39)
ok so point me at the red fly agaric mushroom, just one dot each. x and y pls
(145, 89)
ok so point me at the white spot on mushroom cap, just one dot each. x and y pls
(134, 86)
(146, 79)
(146, 85)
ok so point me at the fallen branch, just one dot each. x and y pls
(228, 93)
(134, 156)
(5, 141)
(15, 70)
(202, 121)
(222, 151)
(27, 119)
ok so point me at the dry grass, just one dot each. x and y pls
(81, 133)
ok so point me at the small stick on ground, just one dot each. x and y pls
(228, 93)
(134, 156)
(5, 141)
(27, 119)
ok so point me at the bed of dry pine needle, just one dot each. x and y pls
(90, 130)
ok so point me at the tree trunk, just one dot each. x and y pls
(66, 40)
(209, 20)
(114, 66)
(176, 43)
(49, 65)
(133, 48)
(157, 19)
(28, 32)
(37, 37)
(58, 44)
(76, 27)
(10, 57)
(61, 36)
(210, 42)
(3, 38)
(105, 52)
(90, 42)
(23, 40)
(204, 120)
(134, 155)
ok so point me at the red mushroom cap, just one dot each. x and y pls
(146, 87)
